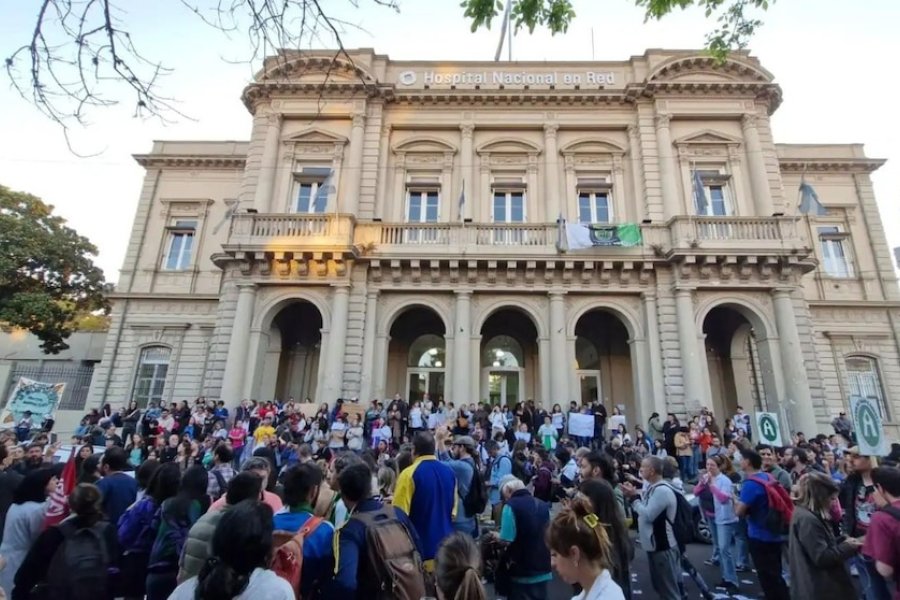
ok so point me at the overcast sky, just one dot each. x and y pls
(835, 65)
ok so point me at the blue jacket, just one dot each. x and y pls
(134, 527)
(318, 550)
(501, 466)
(352, 578)
(426, 491)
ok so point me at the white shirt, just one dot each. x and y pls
(604, 588)
(415, 418)
(263, 584)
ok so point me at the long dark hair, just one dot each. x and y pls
(241, 543)
(33, 487)
(606, 507)
(193, 488)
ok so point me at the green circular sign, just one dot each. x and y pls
(768, 428)
(867, 423)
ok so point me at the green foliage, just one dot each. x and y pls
(47, 276)
(735, 23)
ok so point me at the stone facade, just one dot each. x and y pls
(391, 227)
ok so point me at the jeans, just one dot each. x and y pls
(872, 584)
(714, 534)
(695, 461)
(527, 591)
(741, 545)
(767, 560)
(665, 573)
(684, 465)
(726, 532)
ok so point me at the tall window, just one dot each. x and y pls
(834, 252)
(150, 379)
(181, 242)
(863, 381)
(716, 194)
(509, 206)
(422, 206)
(313, 186)
(594, 207)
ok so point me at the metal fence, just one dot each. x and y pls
(76, 377)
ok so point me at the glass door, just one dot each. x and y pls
(508, 208)
(420, 382)
(589, 384)
(503, 388)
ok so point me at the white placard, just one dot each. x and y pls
(581, 425)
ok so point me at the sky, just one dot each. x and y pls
(833, 63)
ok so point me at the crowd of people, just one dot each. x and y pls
(412, 500)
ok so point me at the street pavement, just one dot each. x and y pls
(640, 577)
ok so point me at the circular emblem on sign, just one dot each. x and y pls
(407, 77)
(866, 420)
(768, 428)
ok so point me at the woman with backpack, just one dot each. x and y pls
(818, 562)
(238, 566)
(136, 534)
(71, 561)
(172, 522)
(25, 521)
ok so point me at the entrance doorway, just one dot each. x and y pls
(589, 384)
(503, 387)
(605, 369)
(417, 355)
(421, 382)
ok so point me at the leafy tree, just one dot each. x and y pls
(47, 276)
(735, 23)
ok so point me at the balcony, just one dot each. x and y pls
(289, 232)
(727, 235)
(417, 239)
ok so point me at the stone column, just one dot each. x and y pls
(236, 362)
(559, 376)
(668, 174)
(367, 381)
(759, 179)
(462, 341)
(467, 164)
(381, 188)
(551, 174)
(350, 193)
(333, 379)
(797, 398)
(547, 397)
(691, 356)
(265, 183)
(654, 353)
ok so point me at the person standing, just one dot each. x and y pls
(119, 489)
(426, 492)
(817, 561)
(500, 466)
(655, 507)
(523, 523)
(765, 545)
(9, 482)
(726, 522)
(883, 537)
(460, 459)
(457, 567)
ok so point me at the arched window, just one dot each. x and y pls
(503, 351)
(427, 352)
(863, 381)
(150, 378)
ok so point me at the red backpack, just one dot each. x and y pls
(781, 508)
(287, 561)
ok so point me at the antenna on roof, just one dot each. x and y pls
(504, 27)
(592, 44)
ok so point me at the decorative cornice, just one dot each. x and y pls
(830, 165)
(190, 161)
(770, 93)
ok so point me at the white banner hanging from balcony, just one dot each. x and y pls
(577, 236)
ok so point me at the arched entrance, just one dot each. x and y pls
(734, 361)
(603, 362)
(417, 355)
(292, 356)
(509, 358)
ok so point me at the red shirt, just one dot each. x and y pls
(883, 542)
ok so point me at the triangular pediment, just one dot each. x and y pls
(707, 137)
(316, 136)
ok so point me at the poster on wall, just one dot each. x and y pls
(41, 399)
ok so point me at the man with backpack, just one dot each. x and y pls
(221, 472)
(768, 508)
(656, 507)
(299, 532)
(378, 553)
(472, 496)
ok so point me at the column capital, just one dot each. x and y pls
(273, 119)
(464, 293)
(557, 294)
(372, 294)
(467, 129)
(550, 130)
(341, 288)
(246, 286)
(385, 130)
(749, 121)
(358, 120)
(683, 290)
(663, 120)
(781, 292)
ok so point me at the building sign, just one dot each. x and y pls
(507, 78)
(869, 428)
(767, 426)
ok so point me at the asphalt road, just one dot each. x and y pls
(640, 578)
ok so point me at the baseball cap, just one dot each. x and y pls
(464, 440)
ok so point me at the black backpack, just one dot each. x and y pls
(475, 501)
(683, 525)
(78, 568)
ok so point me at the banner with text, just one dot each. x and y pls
(41, 399)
